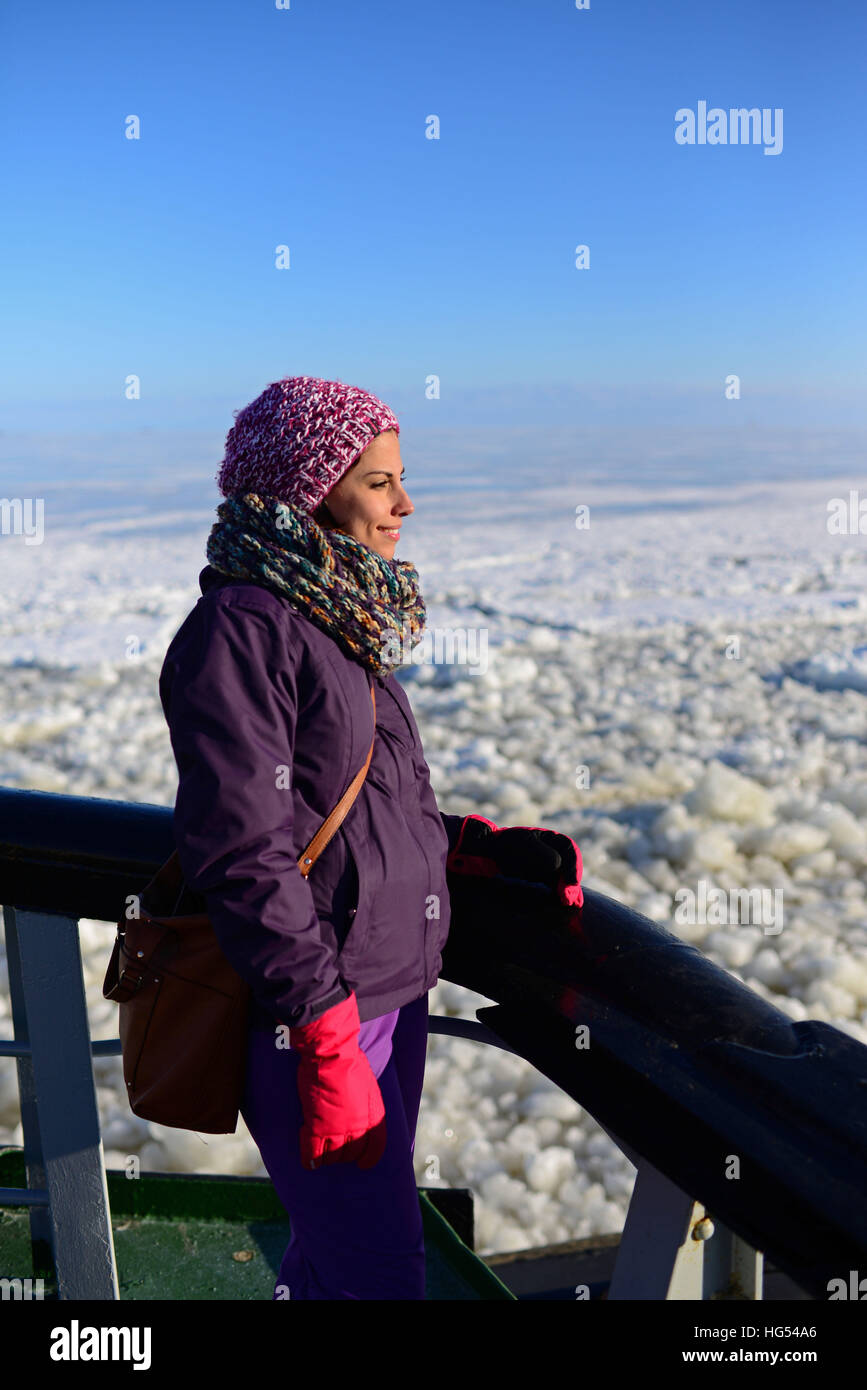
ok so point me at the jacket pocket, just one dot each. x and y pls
(398, 725)
(347, 895)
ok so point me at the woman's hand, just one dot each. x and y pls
(344, 1114)
(528, 852)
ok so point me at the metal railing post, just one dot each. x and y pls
(40, 1226)
(672, 1249)
(50, 991)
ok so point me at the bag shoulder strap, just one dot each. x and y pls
(332, 823)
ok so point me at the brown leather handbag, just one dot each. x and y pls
(183, 1008)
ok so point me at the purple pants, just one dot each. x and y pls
(355, 1234)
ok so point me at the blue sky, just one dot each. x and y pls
(409, 256)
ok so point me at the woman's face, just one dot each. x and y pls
(370, 502)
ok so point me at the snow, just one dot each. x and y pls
(845, 670)
(680, 686)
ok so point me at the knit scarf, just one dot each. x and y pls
(370, 606)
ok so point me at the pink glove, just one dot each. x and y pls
(343, 1109)
(527, 852)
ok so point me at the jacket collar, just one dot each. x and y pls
(212, 579)
(209, 578)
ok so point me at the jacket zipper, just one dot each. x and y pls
(424, 853)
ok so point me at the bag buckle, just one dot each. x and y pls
(130, 981)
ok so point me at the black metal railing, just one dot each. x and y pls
(702, 1083)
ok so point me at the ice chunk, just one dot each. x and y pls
(713, 848)
(554, 1104)
(546, 1171)
(723, 794)
(786, 840)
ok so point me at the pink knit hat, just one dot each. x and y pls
(299, 437)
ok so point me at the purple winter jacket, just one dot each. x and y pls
(269, 721)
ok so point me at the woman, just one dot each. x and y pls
(266, 689)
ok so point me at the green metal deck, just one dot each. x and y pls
(190, 1237)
